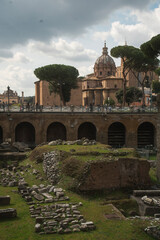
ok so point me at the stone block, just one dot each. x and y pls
(4, 200)
(8, 213)
(37, 227)
(141, 193)
(47, 195)
(38, 197)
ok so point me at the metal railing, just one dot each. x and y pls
(79, 109)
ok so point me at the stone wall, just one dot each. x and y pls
(72, 122)
(103, 174)
(125, 172)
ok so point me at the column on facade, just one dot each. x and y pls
(105, 95)
(98, 97)
(91, 97)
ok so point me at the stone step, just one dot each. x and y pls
(12, 156)
(141, 193)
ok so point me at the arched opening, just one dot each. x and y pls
(116, 135)
(56, 131)
(87, 130)
(25, 132)
(1, 135)
(146, 135)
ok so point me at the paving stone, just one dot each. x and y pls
(47, 195)
(38, 197)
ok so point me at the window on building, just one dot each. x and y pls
(115, 85)
(100, 73)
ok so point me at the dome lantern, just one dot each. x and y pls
(105, 49)
(104, 65)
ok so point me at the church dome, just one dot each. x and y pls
(105, 59)
(104, 65)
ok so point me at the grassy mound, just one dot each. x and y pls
(76, 159)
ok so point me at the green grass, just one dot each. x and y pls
(153, 176)
(22, 227)
(82, 150)
(153, 157)
(94, 207)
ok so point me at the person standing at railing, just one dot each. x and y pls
(28, 106)
(3, 104)
(37, 107)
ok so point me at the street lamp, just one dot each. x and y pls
(8, 97)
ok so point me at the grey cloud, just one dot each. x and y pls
(21, 20)
(4, 53)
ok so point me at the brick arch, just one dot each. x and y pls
(1, 134)
(25, 132)
(87, 130)
(146, 134)
(117, 134)
(56, 130)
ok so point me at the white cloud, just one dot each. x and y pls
(18, 79)
(21, 58)
(146, 26)
(11, 58)
(62, 49)
(149, 19)
(84, 70)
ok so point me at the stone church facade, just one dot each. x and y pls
(103, 83)
(12, 96)
(94, 89)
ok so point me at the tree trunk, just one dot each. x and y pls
(124, 87)
(124, 93)
(61, 95)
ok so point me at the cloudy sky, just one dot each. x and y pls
(35, 33)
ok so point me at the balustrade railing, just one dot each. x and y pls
(79, 109)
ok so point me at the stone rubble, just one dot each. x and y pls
(11, 175)
(50, 166)
(59, 218)
(55, 217)
(41, 193)
(153, 231)
(83, 141)
(151, 201)
(9, 178)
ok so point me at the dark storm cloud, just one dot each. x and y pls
(21, 20)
